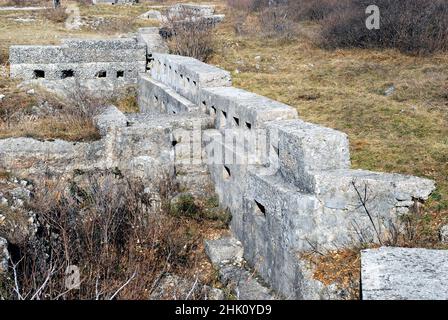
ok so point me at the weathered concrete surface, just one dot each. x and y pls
(194, 12)
(226, 250)
(26, 155)
(444, 234)
(157, 97)
(226, 255)
(404, 274)
(4, 255)
(237, 108)
(305, 147)
(153, 41)
(187, 76)
(244, 284)
(152, 15)
(79, 58)
(110, 119)
(173, 287)
(287, 183)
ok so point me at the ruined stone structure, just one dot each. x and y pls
(115, 59)
(287, 183)
(288, 193)
(112, 2)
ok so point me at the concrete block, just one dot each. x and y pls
(237, 108)
(404, 274)
(157, 97)
(304, 147)
(187, 75)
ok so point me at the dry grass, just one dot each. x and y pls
(66, 128)
(112, 231)
(342, 267)
(405, 132)
(58, 15)
(59, 120)
(339, 267)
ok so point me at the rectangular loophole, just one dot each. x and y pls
(101, 74)
(39, 74)
(120, 74)
(226, 173)
(223, 119)
(276, 151)
(248, 125)
(236, 121)
(67, 74)
(259, 208)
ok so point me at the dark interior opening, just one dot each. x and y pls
(120, 74)
(237, 121)
(67, 74)
(224, 114)
(227, 174)
(260, 208)
(39, 74)
(101, 74)
(248, 125)
(276, 150)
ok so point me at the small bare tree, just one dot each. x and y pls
(189, 34)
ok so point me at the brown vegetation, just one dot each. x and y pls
(58, 15)
(43, 115)
(121, 239)
(190, 35)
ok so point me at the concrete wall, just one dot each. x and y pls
(288, 183)
(114, 59)
(187, 76)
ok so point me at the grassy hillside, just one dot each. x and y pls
(404, 130)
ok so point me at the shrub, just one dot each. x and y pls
(276, 22)
(314, 10)
(189, 35)
(111, 229)
(244, 5)
(58, 15)
(412, 26)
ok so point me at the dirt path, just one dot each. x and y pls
(22, 8)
